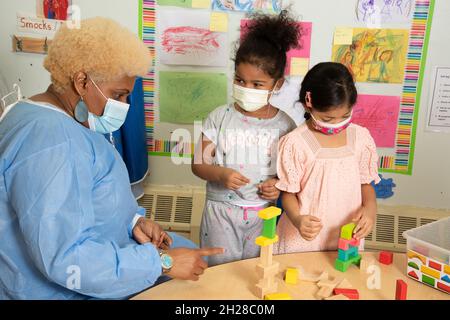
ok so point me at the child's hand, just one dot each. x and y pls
(365, 221)
(267, 189)
(232, 179)
(308, 226)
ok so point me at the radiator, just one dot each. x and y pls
(179, 209)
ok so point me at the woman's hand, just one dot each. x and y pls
(188, 263)
(365, 219)
(147, 230)
(308, 226)
(232, 179)
(267, 189)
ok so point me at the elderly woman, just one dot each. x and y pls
(69, 224)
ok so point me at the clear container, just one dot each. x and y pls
(428, 251)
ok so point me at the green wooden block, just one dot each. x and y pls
(347, 231)
(269, 228)
(342, 266)
(428, 280)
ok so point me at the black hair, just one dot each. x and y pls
(331, 84)
(269, 37)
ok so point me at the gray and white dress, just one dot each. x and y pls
(249, 146)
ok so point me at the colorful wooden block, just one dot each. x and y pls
(344, 243)
(443, 287)
(269, 213)
(269, 228)
(352, 294)
(345, 255)
(343, 265)
(435, 265)
(430, 272)
(263, 241)
(428, 280)
(291, 276)
(347, 231)
(401, 290)
(277, 296)
(267, 271)
(386, 257)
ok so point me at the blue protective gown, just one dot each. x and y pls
(65, 210)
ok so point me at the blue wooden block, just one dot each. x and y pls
(345, 255)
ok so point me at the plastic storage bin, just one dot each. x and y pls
(428, 251)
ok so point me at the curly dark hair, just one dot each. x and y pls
(267, 40)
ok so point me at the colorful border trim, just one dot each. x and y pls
(419, 37)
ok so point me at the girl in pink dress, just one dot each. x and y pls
(325, 167)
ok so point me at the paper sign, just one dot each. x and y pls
(202, 4)
(439, 110)
(299, 66)
(218, 22)
(42, 26)
(185, 97)
(343, 36)
(379, 114)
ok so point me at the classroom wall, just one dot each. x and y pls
(428, 186)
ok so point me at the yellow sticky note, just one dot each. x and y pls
(218, 22)
(201, 3)
(343, 36)
(299, 66)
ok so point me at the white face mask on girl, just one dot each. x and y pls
(251, 99)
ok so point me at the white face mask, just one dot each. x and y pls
(251, 99)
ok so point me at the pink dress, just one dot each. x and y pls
(327, 182)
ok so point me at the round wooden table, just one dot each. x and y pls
(236, 280)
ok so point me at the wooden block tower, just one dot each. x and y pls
(347, 249)
(266, 269)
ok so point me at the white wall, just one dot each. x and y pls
(429, 185)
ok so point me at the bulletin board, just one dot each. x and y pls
(429, 182)
(384, 43)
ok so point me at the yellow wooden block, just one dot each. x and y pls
(269, 213)
(277, 296)
(412, 254)
(447, 269)
(431, 272)
(263, 241)
(291, 276)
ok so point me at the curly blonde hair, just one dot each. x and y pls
(101, 47)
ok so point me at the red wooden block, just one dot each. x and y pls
(444, 287)
(413, 274)
(352, 294)
(344, 243)
(385, 257)
(435, 265)
(401, 290)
